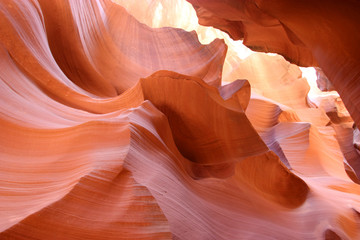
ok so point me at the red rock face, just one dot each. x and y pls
(307, 33)
(111, 129)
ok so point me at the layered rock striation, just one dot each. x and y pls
(112, 129)
(307, 33)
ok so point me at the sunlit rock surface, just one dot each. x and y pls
(322, 81)
(114, 128)
(322, 33)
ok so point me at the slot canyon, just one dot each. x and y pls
(179, 119)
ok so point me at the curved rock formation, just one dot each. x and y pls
(274, 78)
(307, 33)
(115, 130)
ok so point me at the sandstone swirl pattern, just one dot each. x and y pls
(111, 129)
(322, 33)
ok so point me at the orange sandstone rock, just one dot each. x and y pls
(96, 143)
(307, 33)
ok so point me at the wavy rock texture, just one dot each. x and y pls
(323, 34)
(115, 130)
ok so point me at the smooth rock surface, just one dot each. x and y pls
(111, 129)
(307, 33)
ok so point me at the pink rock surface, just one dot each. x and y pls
(307, 33)
(111, 129)
(322, 81)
